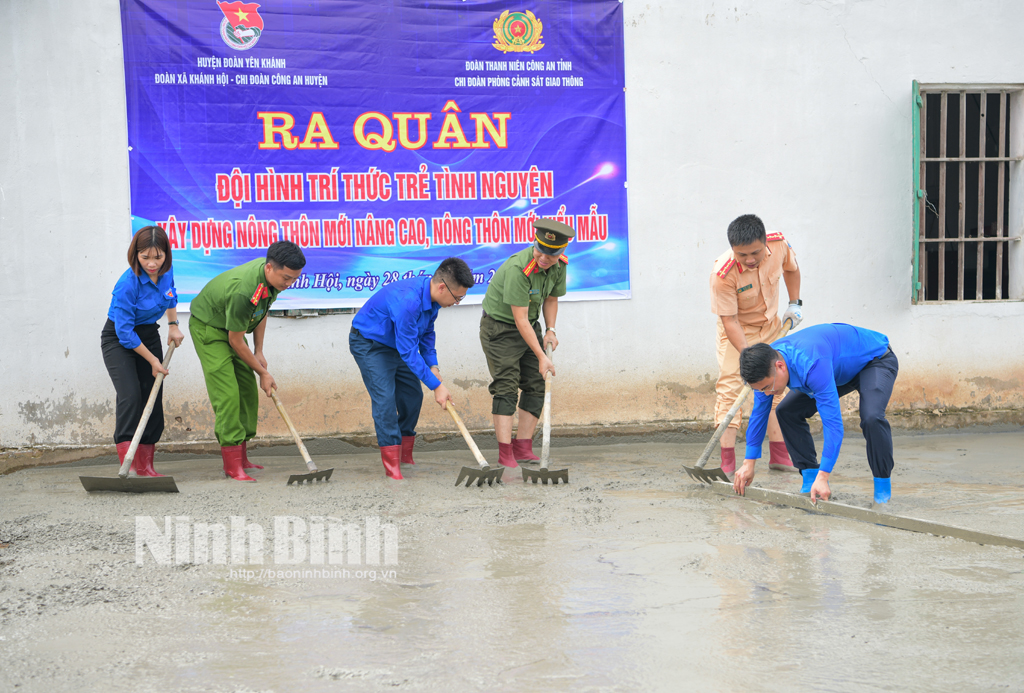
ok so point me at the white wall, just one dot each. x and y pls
(798, 112)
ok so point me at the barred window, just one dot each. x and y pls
(962, 179)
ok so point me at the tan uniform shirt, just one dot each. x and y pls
(751, 295)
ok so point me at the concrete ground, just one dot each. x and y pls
(629, 578)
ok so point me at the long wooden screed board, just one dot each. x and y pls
(851, 512)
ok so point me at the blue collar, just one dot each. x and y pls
(162, 283)
(144, 278)
(795, 382)
(427, 303)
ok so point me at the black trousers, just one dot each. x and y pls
(133, 380)
(874, 383)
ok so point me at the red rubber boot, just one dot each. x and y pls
(144, 460)
(729, 460)
(391, 456)
(232, 456)
(407, 443)
(246, 464)
(779, 460)
(506, 456)
(122, 450)
(522, 448)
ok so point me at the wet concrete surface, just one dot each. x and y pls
(629, 578)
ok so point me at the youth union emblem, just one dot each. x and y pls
(242, 25)
(517, 32)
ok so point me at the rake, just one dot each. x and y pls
(707, 476)
(470, 474)
(314, 473)
(136, 484)
(544, 475)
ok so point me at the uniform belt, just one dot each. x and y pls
(534, 322)
(486, 315)
(887, 352)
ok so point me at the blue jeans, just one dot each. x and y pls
(395, 392)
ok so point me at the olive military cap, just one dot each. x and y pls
(552, 236)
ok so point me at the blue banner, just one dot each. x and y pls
(382, 137)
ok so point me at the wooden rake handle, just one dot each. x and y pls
(468, 438)
(295, 434)
(737, 405)
(146, 413)
(545, 446)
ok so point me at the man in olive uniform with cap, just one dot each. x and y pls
(526, 285)
(745, 297)
(231, 305)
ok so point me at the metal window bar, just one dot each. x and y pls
(982, 171)
(1004, 146)
(943, 238)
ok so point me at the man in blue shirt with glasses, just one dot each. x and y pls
(820, 364)
(392, 341)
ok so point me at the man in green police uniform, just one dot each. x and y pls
(526, 285)
(231, 305)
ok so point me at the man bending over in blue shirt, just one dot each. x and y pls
(392, 341)
(820, 364)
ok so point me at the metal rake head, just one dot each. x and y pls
(480, 475)
(322, 475)
(706, 476)
(546, 475)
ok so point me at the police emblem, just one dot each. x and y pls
(550, 236)
(517, 32)
(242, 25)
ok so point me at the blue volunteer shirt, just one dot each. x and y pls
(138, 301)
(401, 315)
(820, 359)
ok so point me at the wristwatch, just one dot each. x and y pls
(797, 302)
(551, 329)
(172, 322)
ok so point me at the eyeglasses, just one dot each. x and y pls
(767, 390)
(458, 299)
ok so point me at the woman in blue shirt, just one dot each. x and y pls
(131, 341)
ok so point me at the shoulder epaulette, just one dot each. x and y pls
(563, 258)
(724, 270)
(258, 295)
(529, 268)
(775, 237)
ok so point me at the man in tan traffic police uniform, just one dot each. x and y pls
(745, 297)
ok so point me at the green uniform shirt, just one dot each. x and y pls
(511, 286)
(236, 300)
